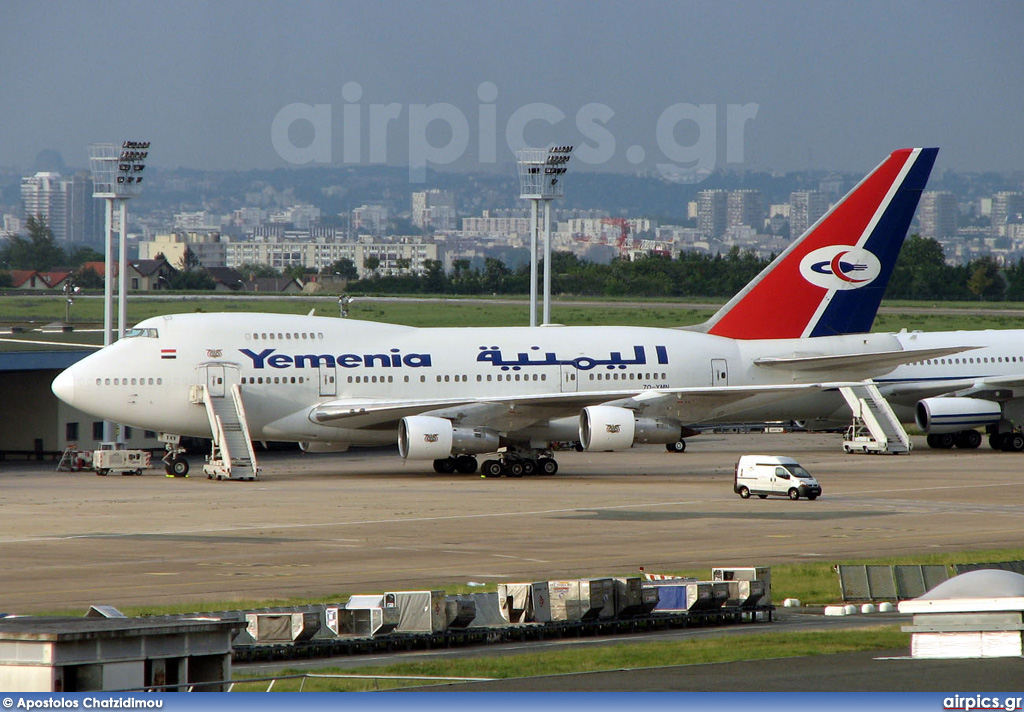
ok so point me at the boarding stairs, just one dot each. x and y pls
(875, 429)
(233, 456)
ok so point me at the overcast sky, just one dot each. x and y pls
(233, 83)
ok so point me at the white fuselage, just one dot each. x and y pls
(287, 365)
(990, 354)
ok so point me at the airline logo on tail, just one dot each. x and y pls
(840, 267)
(831, 280)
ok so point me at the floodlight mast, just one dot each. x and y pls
(117, 176)
(541, 178)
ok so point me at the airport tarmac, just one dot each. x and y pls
(331, 525)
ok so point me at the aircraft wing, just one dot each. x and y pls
(687, 404)
(889, 359)
(963, 387)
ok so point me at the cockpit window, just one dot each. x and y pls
(136, 332)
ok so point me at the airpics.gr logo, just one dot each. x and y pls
(840, 267)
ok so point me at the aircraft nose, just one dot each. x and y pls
(63, 386)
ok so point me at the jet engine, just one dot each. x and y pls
(424, 437)
(608, 427)
(951, 415)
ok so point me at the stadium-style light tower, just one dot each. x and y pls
(541, 178)
(117, 176)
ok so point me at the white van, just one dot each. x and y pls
(773, 474)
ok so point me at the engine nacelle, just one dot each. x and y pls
(951, 415)
(607, 427)
(424, 437)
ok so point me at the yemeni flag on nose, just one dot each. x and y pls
(168, 353)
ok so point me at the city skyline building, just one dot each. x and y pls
(805, 207)
(745, 207)
(1007, 206)
(434, 209)
(937, 214)
(712, 212)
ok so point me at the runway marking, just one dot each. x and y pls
(319, 525)
(925, 489)
(52, 343)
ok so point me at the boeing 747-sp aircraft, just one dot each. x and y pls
(450, 394)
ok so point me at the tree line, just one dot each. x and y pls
(921, 273)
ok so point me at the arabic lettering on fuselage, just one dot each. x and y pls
(533, 357)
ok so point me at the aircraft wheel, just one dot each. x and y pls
(944, 441)
(547, 466)
(529, 467)
(1014, 442)
(793, 494)
(179, 467)
(677, 446)
(491, 468)
(444, 466)
(744, 493)
(466, 465)
(515, 469)
(968, 439)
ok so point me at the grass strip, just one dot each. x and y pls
(594, 658)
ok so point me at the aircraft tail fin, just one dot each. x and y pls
(832, 279)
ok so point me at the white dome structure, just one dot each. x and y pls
(981, 583)
(977, 614)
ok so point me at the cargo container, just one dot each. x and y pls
(418, 611)
(525, 602)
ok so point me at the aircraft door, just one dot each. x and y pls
(569, 378)
(215, 381)
(328, 380)
(719, 372)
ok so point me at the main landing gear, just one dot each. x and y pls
(1011, 441)
(513, 464)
